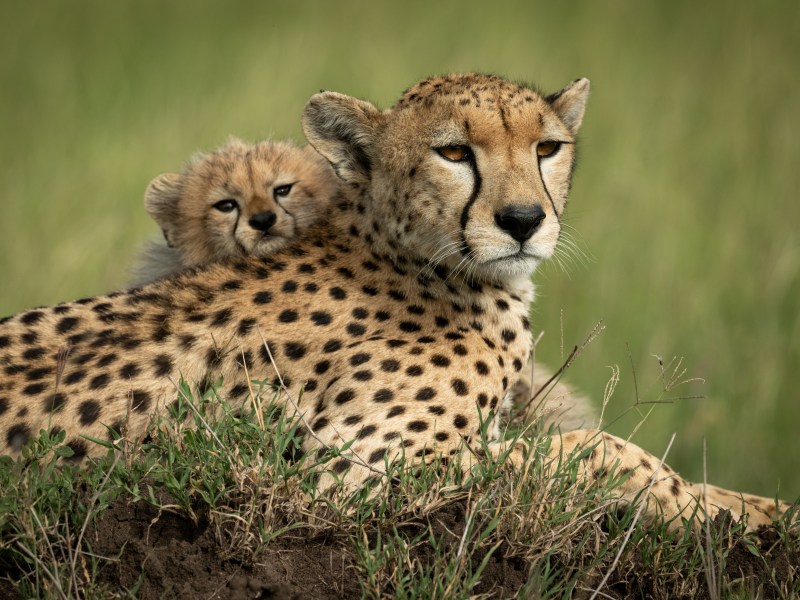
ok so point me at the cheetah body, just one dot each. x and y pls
(403, 319)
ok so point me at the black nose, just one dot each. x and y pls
(263, 220)
(520, 222)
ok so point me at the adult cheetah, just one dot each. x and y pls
(405, 322)
(236, 200)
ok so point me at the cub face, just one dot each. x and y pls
(240, 199)
(466, 171)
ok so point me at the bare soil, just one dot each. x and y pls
(168, 555)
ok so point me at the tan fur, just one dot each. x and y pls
(196, 233)
(404, 318)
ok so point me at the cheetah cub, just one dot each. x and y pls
(237, 200)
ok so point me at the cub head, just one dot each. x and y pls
(470, 172)
(240, 199)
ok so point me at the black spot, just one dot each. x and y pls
(442, 322)
(436, 409)
(99, 382)
(239, 390)
(452, 335)
(294, 350)
(397, 295)
(426, 339)
(439, 360)
(425, 393)
(310, 385)
(517, 364)
(526, 324)
(352, 420)
(390, 365)
(489, 343)
(483, 399)
(306, 268)
(88, 412)
(340, 466)
(360, 313)
(33, 389)
(54, 402)
(288, 316)
(377, 455)
(508, 335)
(233, 284)
(369, 290)
(128, 371)
(417, 426)
(321, 367)
(369, 265)
(3, 405)
(321, 317)
(29, 338)
(344, 396)
(459, 387)
(106, 360)
(84, 358)
(311, 287)
(356, 329)
(505, 382)
(337, 293)
(359, 359)
(332, 346)
(36, 374)
(396, 343)
(460, 421)
(460, 350)
(33, 353)
(482, 368)
(221, 317)
(290, 287)
(61, 309)
(163, 365)
(502, 304)
(442, 436)
(263, 297)
(383, 395)
(319, 423)
(66, 324)
(31, 317)
(17, 436)
(410, 326)
(415, 309)
(140, 400)
(362, 375)
(366, 431)
(395, 411)
(74, 377)
(414, 371)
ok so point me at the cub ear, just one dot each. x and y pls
(343, 129)
(161, 202)
(570, 103)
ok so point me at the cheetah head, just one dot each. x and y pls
(466, 171)
(240, 199)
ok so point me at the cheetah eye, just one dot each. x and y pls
(282, 191)
(226, 205)
(458, 153)
(547, 148)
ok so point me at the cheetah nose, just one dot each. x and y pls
(263, 220)
(520, 222)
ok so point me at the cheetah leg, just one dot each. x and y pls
(667, 493)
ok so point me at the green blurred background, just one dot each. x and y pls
(686, 196)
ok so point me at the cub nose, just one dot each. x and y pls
(520, 222)
(263, 220)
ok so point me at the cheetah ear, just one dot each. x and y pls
(570, 103)
(343, 129)
(161, 202)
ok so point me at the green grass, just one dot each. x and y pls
(435, 532)
(685, 197)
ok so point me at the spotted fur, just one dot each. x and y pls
(404, 317)
(237, 200)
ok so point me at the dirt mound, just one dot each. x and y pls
(166, 555)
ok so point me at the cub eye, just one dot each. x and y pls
(226, 205)
(455, 153)
(545, 149)
(282, 191)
